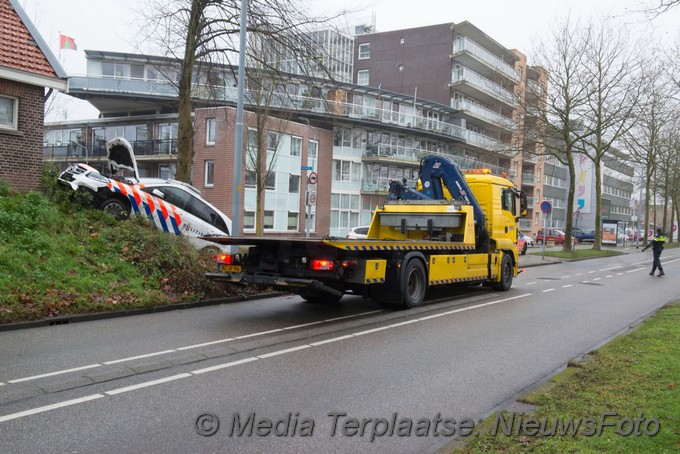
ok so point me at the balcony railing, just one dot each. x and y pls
(463, 74)
(529, 179)
(530, 202)
(467, 45)
(298, 103)
(483, 113)
(141, 148)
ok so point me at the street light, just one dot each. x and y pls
(308, 212)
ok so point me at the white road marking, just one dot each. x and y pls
(591, 272)
(610, 275)
(37, 410)
(565, 277)
(578, 274)
(584, 282)
(531, 283)
(369, 331)
(205, 344)
(132, 358)
(246, 336)
(225, 365)
(597, 278)
(283, 352)
(548, 290)
(50, 374)
(610, 268)
(146, 384)
(619, 274)
(331, 320)
(235, 363)
(407, 322)
(188, 347)
(567, 286)
(636, 269)
(332, 339)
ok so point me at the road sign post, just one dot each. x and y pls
(310, 199)
(546, 208)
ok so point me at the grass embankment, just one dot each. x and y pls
(60, 257)
(579, 253)
(635, 376)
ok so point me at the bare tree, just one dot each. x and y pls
(650, 119)
(206, 32)
(264, 139)
(553, 125)
(614, 90)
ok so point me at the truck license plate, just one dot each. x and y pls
(230, 268)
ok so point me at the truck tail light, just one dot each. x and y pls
(322, 265)
(228, 259)
(349, 263)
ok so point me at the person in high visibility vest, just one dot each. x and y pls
(657, 247)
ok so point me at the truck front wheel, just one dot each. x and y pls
(506, 274)
(413, 283)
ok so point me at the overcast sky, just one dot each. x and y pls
(109, 24)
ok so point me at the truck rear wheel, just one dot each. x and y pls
(506, 274)
(315, 297)
(413, 283)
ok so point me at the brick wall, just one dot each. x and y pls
(21, 152)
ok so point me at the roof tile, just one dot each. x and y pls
(18, 49)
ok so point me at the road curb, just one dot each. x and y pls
(78, 318)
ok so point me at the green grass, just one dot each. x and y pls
(634, 375)
(60, 257)
(579, 253)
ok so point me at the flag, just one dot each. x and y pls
(66, 42)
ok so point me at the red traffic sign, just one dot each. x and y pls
(312, 178)
(546, 206)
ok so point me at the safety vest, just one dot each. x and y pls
(660, 238)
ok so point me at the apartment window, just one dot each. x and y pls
(209, 174)
(312, 150)
(402, 40)
(294, 184)
(8, 113)
(345, 210)
(250, 178)
(296, 146)
(364, 51)
(249, 220)
(362, 77)
(136, 71)
(210, 130)
(293, 219)
(272, 141)
(269, 219)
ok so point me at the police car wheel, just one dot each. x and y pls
(117, 208)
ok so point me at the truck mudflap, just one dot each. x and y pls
(276, 282)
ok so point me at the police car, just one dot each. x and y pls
(172, 206)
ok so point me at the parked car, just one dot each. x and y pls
(585, 236)
(172, 206)
(551, 234)
(357, 233)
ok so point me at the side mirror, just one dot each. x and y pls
(523, 204)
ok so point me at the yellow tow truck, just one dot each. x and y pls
(455, 227)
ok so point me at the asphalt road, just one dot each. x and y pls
(283, 376)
